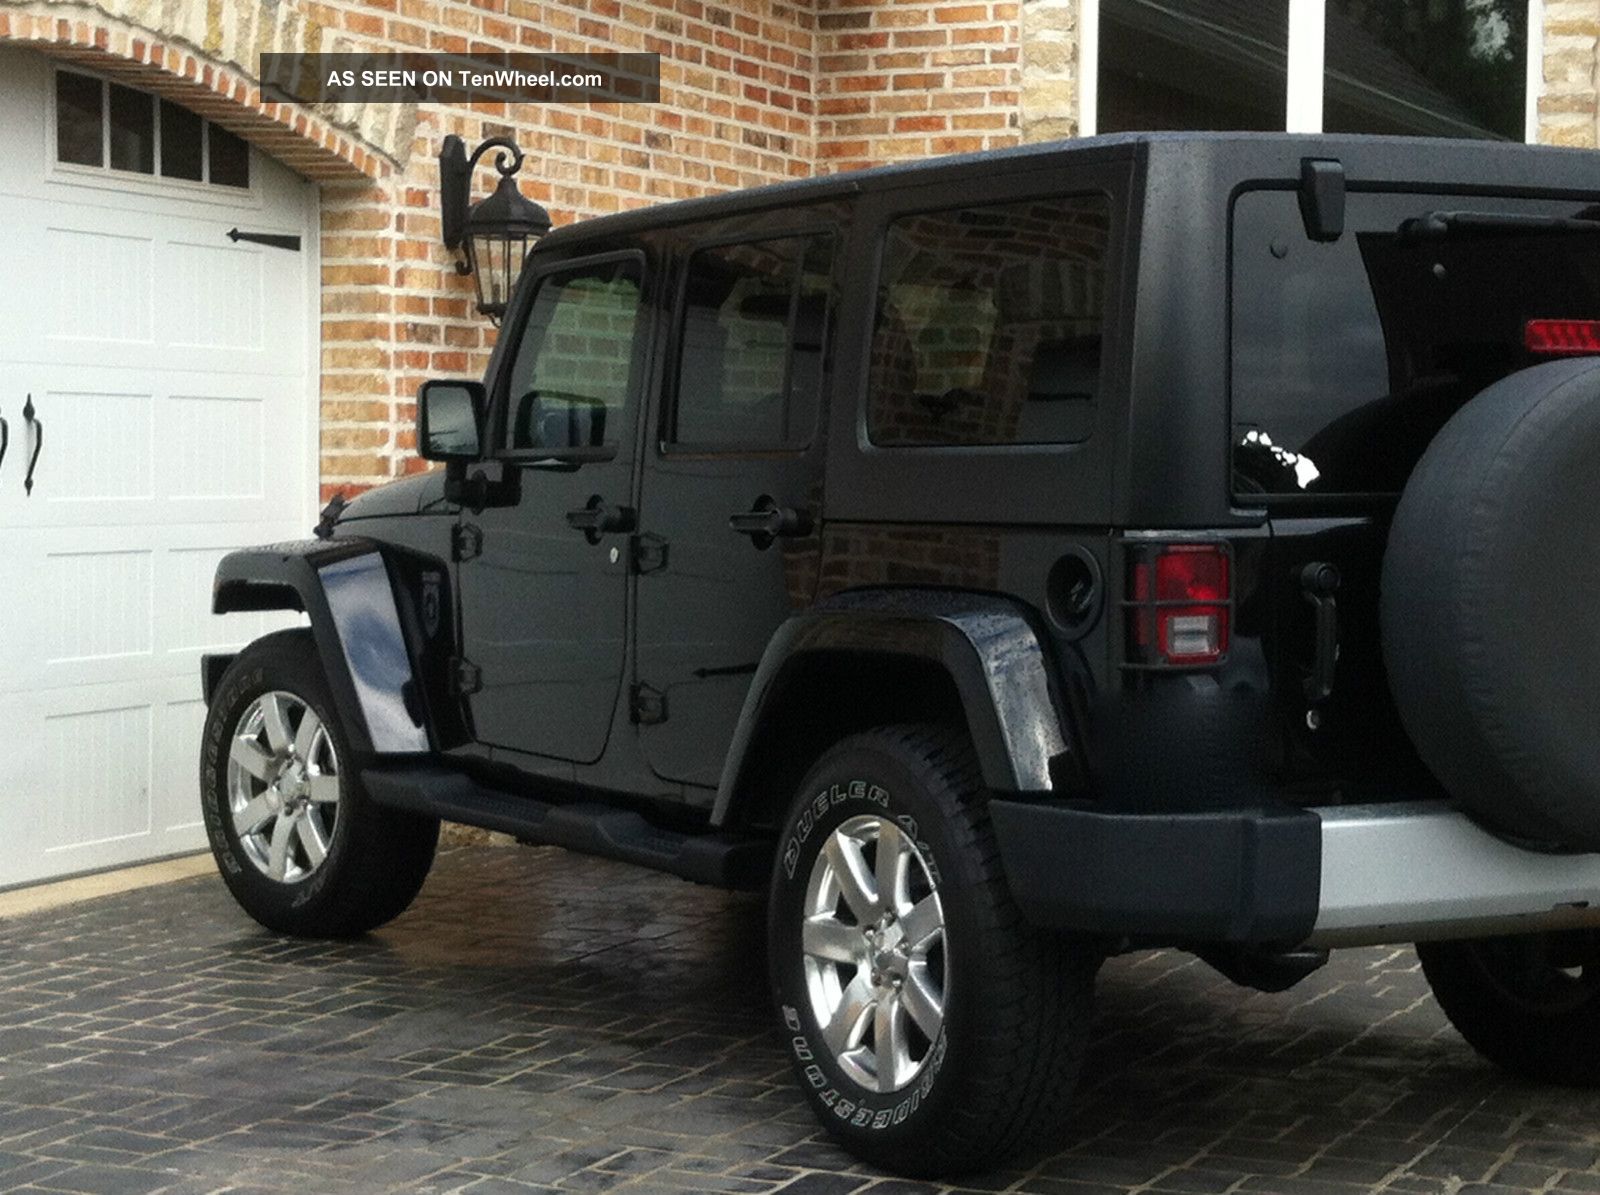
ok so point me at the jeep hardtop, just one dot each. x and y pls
(1003, 561)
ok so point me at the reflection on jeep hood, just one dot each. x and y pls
(407, 496)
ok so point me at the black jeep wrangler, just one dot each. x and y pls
(1004, 561)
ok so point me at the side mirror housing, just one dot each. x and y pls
(450, 420)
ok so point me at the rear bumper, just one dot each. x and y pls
(1338, 876)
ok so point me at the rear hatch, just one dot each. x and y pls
(1347, 357)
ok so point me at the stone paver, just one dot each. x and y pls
(543, 1022)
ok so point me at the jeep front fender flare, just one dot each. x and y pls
(344, 587)
(987, 645)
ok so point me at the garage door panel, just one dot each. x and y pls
(100, 443)
(97, 774)
(217, 445)
(117, 604)
(146, 448)
(177, 295)
(101, 776)
(104, 288)
(217, 296)
(175, 804)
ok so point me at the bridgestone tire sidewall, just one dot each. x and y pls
(1488, 581)
(846, 784)
(288, 664)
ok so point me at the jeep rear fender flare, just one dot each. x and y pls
(988, 646)
(344, 587)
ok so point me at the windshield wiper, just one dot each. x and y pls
(1438, 225)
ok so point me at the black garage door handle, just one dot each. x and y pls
(37, 425)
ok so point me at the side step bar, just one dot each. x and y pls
(719, 858)
(1401, 873)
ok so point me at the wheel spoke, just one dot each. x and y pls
(311, 837)
(889, 1043)
(856, 884)
(826, 937)
(848, 1024)
(892, 866)
(247, 753)
(922, 924)
(925, 1005)
(255, 814)
(324, 789)
(278, 852)
(306, 734)
(276, 723)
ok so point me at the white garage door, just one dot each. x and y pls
(172, 373)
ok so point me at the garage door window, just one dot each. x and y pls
(106, 125)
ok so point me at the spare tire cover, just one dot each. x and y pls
(1491, 605)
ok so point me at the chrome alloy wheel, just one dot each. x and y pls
(874, 952)
(283, 786)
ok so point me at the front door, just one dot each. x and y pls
(732, 492)
(544, 581)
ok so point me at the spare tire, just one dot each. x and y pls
(1491, 605)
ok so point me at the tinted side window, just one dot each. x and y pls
(571, 380)
(989, 324)
(750, 347)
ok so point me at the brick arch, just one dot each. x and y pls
(212, 82)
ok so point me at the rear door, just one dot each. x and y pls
(732, 486)
(1347, 358)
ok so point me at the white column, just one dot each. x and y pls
(1307, 25)
(1088, 67)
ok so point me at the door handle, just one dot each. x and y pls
(37, 426)
(5, 438)
(768, 521)
(1319, 582)
(599, 518)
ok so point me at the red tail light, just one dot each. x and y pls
(1179, 606)
(1562, 337)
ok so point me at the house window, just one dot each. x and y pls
(110, 126)
(1192, 65)
(1409, 67)
(1445, 70)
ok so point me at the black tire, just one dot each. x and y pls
(376, 859)
(1487, 583)
(1530, 1004)
(1000, 1069)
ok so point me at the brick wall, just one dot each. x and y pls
(1570, 105)
(901, 79)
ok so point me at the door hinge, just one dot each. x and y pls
(466, 541)
(649, 553)
(649, 705)
(465, 676)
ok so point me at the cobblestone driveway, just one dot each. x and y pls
(544, 1022)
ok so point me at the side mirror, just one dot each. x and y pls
(450, 421)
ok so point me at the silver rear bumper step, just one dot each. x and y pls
(1400, 873)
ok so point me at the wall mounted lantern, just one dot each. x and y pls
(492, 236)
